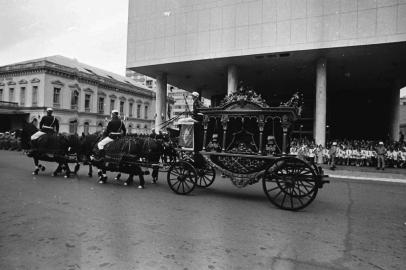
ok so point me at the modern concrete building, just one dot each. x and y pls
(82, 96)
(347, 56)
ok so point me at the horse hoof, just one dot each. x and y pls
(42, 168)
(90, 175)
(140, 187)
(101, 182)
(54, 174)
(66, 176)
(34, 173)
(125, 184)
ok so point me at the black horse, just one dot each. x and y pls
(125, 155)
(57, 148)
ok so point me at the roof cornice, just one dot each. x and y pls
(73, 73)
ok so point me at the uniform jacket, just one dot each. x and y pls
(49, 121)
(381, 150)
(115, 125)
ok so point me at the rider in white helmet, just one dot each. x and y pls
(115, 128)
(48, 125)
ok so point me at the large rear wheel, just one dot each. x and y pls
(290, 183)
(182, 177)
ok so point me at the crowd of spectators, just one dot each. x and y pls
(9, 141)
(351, 152)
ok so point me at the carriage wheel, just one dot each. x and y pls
(290, 183)
(205, 176)
(182, 177)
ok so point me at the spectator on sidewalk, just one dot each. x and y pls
(380, 152)
(332, 153)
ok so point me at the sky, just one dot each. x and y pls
(92, 31)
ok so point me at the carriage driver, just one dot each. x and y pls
(115, 128)
(48, 125)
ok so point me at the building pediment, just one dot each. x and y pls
(22, 81)
(139, 101)
(75, 86)
(113, 96)
(100, 93)
(2, 84)
(35, 80)
(58, 82)
(122, 98)
(11, 83)
(88, 90)
(131, 100)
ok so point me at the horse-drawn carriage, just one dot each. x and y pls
(230, 138)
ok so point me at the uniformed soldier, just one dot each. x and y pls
(197, 104)
(380, 155)
(271, 147)
(213, 144)
(115, 128)
(48, 125)
(332, 152)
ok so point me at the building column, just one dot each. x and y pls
(232, 79)
(321, 101)
(394, 127)
(161, 85)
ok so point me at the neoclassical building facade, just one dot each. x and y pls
(82, 96)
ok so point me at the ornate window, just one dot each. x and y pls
(100, 105)
(112, 104)
(11, 94)
(86, 128)
(73, 126)
(130, 128)
(146, 112)
(57, 97)
(74, 100)
(122, 107)
(130, 110)
(22, 96)
(99, 127)
(35, 95)
(138, 110)
(88, 98)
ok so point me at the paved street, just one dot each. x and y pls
(57, 223)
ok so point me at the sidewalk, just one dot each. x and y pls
(367, 173)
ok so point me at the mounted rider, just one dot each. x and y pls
(115, 129)
(48, 125)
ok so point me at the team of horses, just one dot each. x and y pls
(128, 154)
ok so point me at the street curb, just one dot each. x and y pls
(377, 179)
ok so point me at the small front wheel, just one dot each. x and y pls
(205, 176)
(182, 177)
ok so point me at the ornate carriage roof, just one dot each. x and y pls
(246, 102)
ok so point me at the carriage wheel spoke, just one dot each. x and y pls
(291, 201)
(283, 200)
(272, 189)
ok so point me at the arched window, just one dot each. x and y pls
(86, 128)
(74, 100)
(73, 126)
(99, 127)
(130, 127)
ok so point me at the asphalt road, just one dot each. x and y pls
(57, 223)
